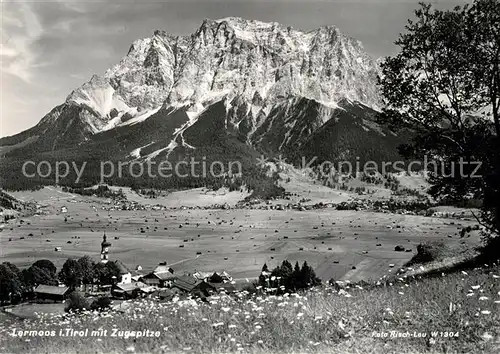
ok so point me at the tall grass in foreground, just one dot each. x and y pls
(323, 320)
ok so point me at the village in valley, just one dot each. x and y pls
(288, 177)
(160, 283)
(128, 246)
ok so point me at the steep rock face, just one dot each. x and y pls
(278, 87)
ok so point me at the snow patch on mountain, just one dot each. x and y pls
(262, 64)
(141, 117)
(136, 153)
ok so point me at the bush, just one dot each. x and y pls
(427, 252)
(76, 302)
(102, 303)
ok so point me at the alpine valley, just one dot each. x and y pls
(233, 90)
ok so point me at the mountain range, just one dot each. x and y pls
(234, 88)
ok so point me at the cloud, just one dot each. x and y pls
(21, 29)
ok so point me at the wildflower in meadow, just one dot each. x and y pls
(486, 336)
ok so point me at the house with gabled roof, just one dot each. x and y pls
(189, 284)
(161, 276)
(126, 276)
(127, 290)
(49, 292)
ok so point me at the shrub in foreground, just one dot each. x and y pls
(101, 303)
(76, 302)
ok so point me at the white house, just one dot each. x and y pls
(126, 276)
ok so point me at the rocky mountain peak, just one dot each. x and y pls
(258, 62)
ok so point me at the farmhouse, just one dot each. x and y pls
(162, 267)
(126, 276)
(161, 276)
(214, 277)
(49, 292)
(202, 275)
(127, 290)
(190, 284)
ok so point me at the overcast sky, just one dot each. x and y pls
(48, 48)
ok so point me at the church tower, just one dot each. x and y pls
(104, 249)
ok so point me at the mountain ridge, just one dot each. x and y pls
(270, 87)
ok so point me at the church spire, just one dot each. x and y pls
(104, 249)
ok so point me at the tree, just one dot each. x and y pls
(102, 303)
(87, 266)
(42, 271)
(263, 276)
(76, 302)
(285, 278)
(297, 281)
(71, 273)
(11, 286)
(106, 274)
(444, 85)
(45, 264)
(34, 276)
(308, 277)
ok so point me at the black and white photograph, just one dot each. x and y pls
(250, 176)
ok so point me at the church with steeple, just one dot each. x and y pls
(104, 249)
(125, 275)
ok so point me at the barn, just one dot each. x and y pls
(127, 290)
(161, 276)
(190, 284)
(49, 292)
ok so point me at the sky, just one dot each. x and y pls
(49, 48)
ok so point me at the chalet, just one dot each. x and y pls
(162, 279)
(127, 290)
(214, 277)
(49, 292)
(126, 276)
(168, 294)
(224, 276)
(161, 276)
(190, 284)
(163, 267)
(202, 275)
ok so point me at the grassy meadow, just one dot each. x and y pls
(461, 309)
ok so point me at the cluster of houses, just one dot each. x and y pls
(161, 282)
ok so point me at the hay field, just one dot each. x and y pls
(237, 240)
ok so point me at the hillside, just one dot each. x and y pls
(406, 315)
